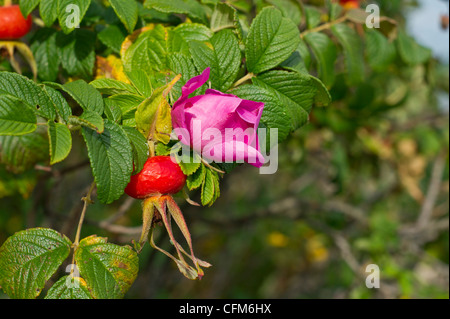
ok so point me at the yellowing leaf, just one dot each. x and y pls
(110, 68)
(153, 116)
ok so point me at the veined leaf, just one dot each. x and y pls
(353, 52)
(85, 95)
(46, 54)
(60, 141)
(153, 116)
(27, 6)
(59, 102)
(16, 117)
(112, 87)
(140, 147)
(29, 258)
(290, 9)
(223, 57)
(192, 8)
(48, 10)
(71, 13)
(224, 16)
(111, 158)
(325, 52)
(69, 287)
(127, 11)
(270, 41)
(109, 270)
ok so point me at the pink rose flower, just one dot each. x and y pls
(221, 127)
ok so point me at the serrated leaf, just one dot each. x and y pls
(20, 153)
(300, 60)
(147, 52)
(323, 96)
(224, 16)
(71, 13)
(223, 57)
(113, 36)
(325, 52)
(59, 102)
(111, 159)
(208, 188)
(127, 11)
(270, 41)
(109, 270)
(189, 7)
(112, 87)
(76, 52)
(182, 64)
(60, 141)
(27, 6)
(46, 54)
(26, 90)
(113, 112)
(275, 114)
(128, 104)
(289, 9)
(48, 10)
(196, 180)
(29, 258)
(294, 90)
(353, 52)
(141, 81)
(153, 116)
(194, 31)
(89, 119)
(69, 287)
(189, 164)
(16, 117)
(140, 147)
(85, 95)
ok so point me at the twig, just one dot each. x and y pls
(325, 26)
(432, 193)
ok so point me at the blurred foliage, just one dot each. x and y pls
(353, 188)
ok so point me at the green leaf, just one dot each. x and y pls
(208, 188)
(196, 180)
(270, 41)
(323, 96)
(59, 102)
(71, 12)
(60, 141)
(189, 164)
(194, 31)
(140, 147)
(289, 9)
(189, 7)
(111, 158)
(16, 117)
(127, 11)
(153, 116)
(113, 36)
(223, 57)
(69, 287)
(275, 114)
(181, 64)
(141, 81)
(295, 91)
(26, 90)
(89, 119)
(109, 270)
(128, 104)
(85, 95)
(20, 153)
(77, 52)
(410, 51)
(148, 52)
(380, 51)
(224, 16)
(29, 258)
(353, 52)
(112, 87)
(300, 60)
(313, 16)
(112, 112)
(48, 10)
(46, 54)
(326, 54)
(27, 6)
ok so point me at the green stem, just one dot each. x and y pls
(325, 26)
(244, 79)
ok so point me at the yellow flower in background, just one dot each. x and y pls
(277, 239)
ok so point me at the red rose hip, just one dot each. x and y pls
(160, 175)
(12, 23)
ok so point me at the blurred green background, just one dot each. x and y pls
(366, 182)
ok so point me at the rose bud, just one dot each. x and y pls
(221, 127)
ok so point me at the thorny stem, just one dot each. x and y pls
(87, 200)
(244, 79)
(324, 26)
